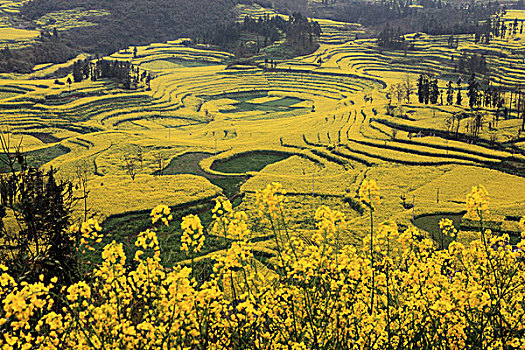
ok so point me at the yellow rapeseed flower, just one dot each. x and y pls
(192, 239)
(477, 202)
(369, 193)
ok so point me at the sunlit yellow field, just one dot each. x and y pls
(331, 117)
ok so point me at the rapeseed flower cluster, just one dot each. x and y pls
(162, 213)
(270, 199)
(447, 228)
(447, 231)
(192, 234)
(89, 233)
(319, 293)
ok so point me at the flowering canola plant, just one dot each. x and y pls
(322, 294)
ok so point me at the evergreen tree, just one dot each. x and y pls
(433, 91)
(459, 99)
(423, 88)
(78, 74)
(42, 207)
(420, 88)
(473, 91)
(450, 93)
(426, 88)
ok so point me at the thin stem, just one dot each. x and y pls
(372, 258)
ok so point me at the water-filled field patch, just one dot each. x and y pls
(248, 102)
(249, 161)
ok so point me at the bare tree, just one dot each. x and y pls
(82, 172)
(140, 157)
(458, 117)
(449, 123)
(400, 92)
(130, 165)
(477, 123)
(159, 161)
(493, 137)
(391, 92)
(13, 155)
(409, 88)
(394, 134)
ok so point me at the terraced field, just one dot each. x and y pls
(329, 117)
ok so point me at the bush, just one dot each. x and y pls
(40, 207)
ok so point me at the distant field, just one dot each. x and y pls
(16, 38)
(68, 19)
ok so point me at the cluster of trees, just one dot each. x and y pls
(267, 29)
(300, 33)
(427, 89)
(479, 94)
(471, 64)
(500, 28)
(489, 28)
(123, 72)
(391, 38)
(401, 91)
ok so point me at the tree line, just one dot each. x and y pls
(478, 94)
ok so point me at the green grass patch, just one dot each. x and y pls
(430, 223)
(124, 229)
(188, 163)
(36, 158)
(173, 63)
(249, 161)
(244, 103)
(281, 105)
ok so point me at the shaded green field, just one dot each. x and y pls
(172, 63)
(250, 161)
(188, 163)
(281, 105)
(124, 228)
(37, 158)
(430, 223)
(245, 103)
